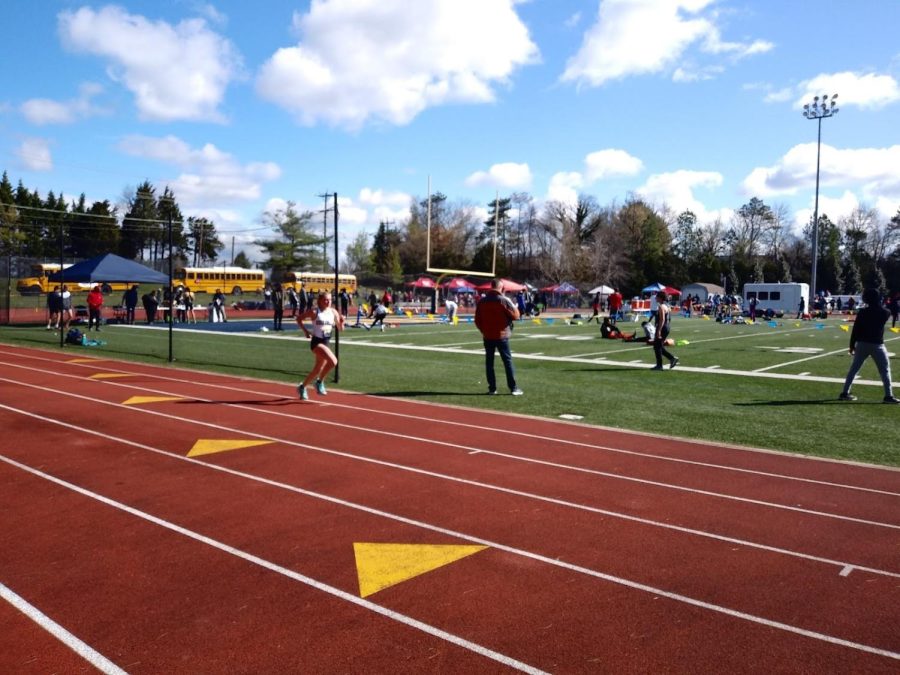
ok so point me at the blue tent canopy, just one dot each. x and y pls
(109, 267)
(653, 288)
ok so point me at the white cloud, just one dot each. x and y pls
(573, 20)
(833, 207)
(564, 187)
(637, 37)
(676, 189)
(34, 153)
(610, 163)
(40, 111)
(873, 170)
(175, 72)
(210, 175)
(868, 91)
(388, 60)
(506, 175)
(381, 198)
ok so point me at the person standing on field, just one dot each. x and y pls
(277, 305)
(867, 339)
(494, 317)
(95, 307)
(663, 319)
(54, 308)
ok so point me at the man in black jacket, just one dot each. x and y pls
(867, 339)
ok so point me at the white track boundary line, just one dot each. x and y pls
(81, 648)
(428, 404)
(556, 465)
(278, 569)
(425, 627)
(592, 446)
(441, 476)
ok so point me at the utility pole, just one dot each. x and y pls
(337, 334)
(325, 210)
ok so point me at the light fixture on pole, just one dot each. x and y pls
(818, 110)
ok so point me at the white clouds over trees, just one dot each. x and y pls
(405, 57)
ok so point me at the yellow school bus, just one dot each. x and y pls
(39, 281)
(231, 280)
(320, 281)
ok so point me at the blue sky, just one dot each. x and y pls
(240, 106)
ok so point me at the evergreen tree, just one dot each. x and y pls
(11, 237)
(294, 247)
(204, 241)
(385, 254)
(852, 278)
(241, 260)
(140, 222)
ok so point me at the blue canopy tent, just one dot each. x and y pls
(109, 268)
(653, 288)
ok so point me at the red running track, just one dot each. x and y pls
(605, 551)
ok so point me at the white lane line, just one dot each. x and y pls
(81, 648)
(278, 569)
(556, 465)
(431, 474)
(506, 432)
(712, 367)
(677, 597)
(847, 570)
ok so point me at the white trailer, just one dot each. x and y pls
(781, 298)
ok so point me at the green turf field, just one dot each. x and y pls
(762, 385)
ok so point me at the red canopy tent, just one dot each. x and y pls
(563, 288)
(459, 284)
(509, 286)
(422, 282)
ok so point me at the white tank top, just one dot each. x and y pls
(324, 324)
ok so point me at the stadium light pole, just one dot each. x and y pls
(817, 110)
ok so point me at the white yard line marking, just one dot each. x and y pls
(278, 569)
(436, 475)
(811, 358)
(81, 648)
(249, 557)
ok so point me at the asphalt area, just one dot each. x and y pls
(164, 520)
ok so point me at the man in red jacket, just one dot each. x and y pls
(95, 307)
(494, 316)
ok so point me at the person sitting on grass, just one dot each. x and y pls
(609, 331)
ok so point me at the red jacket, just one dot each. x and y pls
(494, 316)
(95, 299)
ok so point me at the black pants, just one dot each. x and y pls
(129, 315)
(279, 314)
(659, 347)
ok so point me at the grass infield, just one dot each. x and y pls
(767, 385)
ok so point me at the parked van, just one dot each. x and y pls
(781, 298)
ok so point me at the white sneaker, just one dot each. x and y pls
(517, 392)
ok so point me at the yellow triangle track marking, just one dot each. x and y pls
(206, 446)
(379, 566)
(137, 400)
(109, 376)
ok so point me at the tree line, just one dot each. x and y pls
(627, 245)
(634, 244)
(35, 227)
